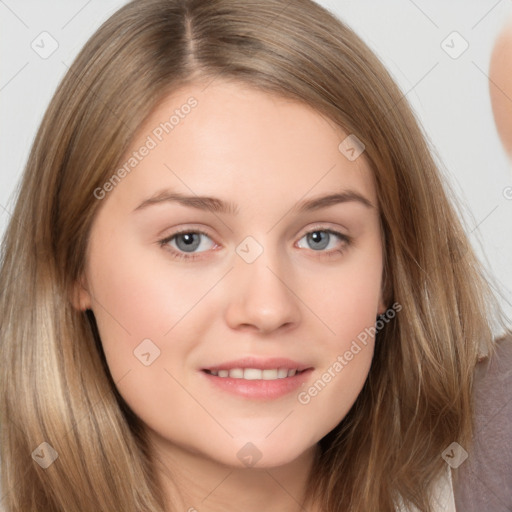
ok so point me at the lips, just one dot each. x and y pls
(255, 388)
(257, 364)
(254, 373)
(258, 378)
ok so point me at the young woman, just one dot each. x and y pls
(234, 278)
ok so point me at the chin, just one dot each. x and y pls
(265, 454)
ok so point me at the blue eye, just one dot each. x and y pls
(321, 239)
(189, 244)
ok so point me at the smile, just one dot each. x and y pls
(255, 373)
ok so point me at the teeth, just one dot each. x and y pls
(269, 374)
(254, 373)
(236, 373)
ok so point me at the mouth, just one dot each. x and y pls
(257, 378)
(255, 373)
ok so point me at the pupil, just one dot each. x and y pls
(188, 242)
(319, 239)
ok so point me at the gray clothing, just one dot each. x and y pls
(483, 482)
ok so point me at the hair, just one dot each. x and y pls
(55, 385)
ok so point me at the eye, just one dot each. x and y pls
(326, 240)
(188, 242)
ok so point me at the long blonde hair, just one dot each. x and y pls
(55, 384)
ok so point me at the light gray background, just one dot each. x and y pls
(450, 96)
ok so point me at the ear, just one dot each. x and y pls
(81, 297)
(382, 307)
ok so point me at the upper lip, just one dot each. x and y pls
(260, 363)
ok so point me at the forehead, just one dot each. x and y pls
(228, 138)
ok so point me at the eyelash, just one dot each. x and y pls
(347, 240)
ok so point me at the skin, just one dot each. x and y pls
(500, 86)
(266, 154)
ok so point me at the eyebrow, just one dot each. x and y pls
(215, 205)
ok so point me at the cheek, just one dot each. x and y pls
(137, 298)
(347, 299)
(138, 302)
(327, 398)
(142, 295)
(347, 305)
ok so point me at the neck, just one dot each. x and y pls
(194, 483)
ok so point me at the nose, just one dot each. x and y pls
(262, 297)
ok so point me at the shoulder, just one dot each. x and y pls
(484, 480)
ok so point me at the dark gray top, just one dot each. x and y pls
(483, 482)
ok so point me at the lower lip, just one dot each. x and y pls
(259, 389)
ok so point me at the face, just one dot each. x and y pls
(500, 85)
(231, 269)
